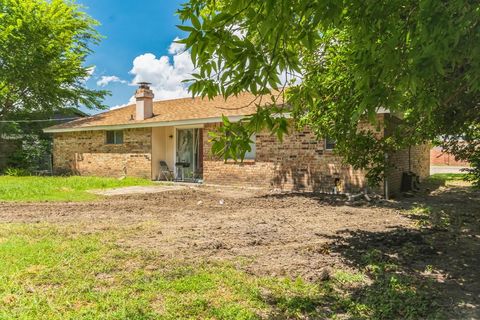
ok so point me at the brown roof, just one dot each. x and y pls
(169, 111)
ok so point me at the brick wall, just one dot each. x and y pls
(440, 158)
(300, 162)
(86, 153)
(417, 160)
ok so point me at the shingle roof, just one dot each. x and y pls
(168, 111)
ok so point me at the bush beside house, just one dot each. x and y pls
(24, 145)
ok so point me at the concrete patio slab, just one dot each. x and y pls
(139, 189)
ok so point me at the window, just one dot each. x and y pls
(250, 155)
(114, 137)
(330, 143)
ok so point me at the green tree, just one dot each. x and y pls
(43, 46)
(416, 58)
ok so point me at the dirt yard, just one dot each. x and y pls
(293, 235)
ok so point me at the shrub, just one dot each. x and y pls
(473, 173)
(17, 172)
(32, 154)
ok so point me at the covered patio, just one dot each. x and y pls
(177, 153)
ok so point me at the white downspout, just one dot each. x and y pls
(385, 179)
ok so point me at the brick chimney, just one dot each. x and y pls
(144, 98)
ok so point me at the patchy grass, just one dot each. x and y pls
(447, 180)
(48, 273)
(448, 176)
(345, 277)
(73, 188)
(425, 216)
(393, 294)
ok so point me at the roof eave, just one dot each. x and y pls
(143, 125)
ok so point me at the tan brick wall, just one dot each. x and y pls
(248, 174)
(298, 163)
(86, 153)
(416, 160)
(301, 163)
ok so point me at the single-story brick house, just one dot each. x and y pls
(133, 140)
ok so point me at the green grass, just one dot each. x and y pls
(345, 277)
(51, 273)
(448, 176)
(59, 188)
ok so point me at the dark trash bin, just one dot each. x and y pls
(410, 181)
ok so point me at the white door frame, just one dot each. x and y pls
(175, 128)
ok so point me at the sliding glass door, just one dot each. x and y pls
(188, 154)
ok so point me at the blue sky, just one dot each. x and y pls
(140, 32)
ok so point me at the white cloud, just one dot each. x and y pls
(290, 79)
(176, 48)
(167, 72)
(105, 80)
(237, 31)
(130, 102)
(164, 73)
(90, 72)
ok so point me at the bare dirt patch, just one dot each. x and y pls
(290, 234)
(273, 233)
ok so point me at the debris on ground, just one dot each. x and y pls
(287, 234)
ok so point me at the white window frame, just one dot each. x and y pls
(250, 155)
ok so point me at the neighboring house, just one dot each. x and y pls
(11, 143)
(134, 139)
(440, 157)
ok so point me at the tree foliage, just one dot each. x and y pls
(233, 140)
(416, 58)
(43, 46)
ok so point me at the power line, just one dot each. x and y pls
(39, 120)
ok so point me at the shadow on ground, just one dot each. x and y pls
(430, 271)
